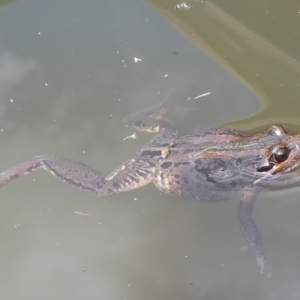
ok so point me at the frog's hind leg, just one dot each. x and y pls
(131, 175)
(152, 120)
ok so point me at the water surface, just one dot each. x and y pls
(68, 77)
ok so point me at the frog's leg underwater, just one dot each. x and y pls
(132, 174)
(127, 177)
(249, 228)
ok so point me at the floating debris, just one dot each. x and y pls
(130, 137)
(202, 95)
(165, 152)
(183, 6)
(81, 213)
(137, 59)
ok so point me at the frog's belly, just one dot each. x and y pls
(195, 185)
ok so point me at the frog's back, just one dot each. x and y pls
(189, 172)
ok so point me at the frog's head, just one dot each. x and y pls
(282, 157)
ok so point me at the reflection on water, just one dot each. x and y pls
(71, 74)
(259, 43)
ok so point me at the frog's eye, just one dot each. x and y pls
(281, 154)
(276, 130)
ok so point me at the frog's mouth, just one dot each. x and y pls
(281, 160)
(290, 165)
(283, 178)
(287, 179)
(293, 176)
(288, 171)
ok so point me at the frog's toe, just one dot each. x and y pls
(264, 266)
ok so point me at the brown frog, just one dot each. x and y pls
(206, 167)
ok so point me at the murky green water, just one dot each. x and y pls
(257, 41)
(67, 79)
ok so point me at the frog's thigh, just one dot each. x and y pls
(130, 175)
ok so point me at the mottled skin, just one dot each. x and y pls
(208, 167)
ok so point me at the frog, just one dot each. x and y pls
(211, 166)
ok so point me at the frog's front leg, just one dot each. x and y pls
(249, 228)
(131, 175)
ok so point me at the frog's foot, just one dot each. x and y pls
(148, 119)
(71, 172)
(264, 265)
(153, 120)
(261, 261)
